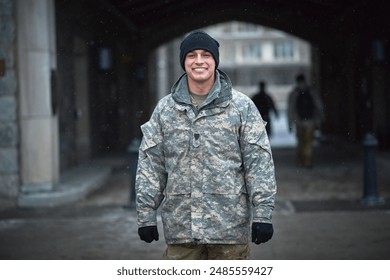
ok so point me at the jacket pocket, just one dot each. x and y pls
(151, 137)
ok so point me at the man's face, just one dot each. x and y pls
(200, 66)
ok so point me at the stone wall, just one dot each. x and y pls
(9, 132)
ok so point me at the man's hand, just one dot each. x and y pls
(261, 232)
(148, 234)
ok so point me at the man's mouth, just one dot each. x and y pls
(199, 69)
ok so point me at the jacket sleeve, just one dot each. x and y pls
(258, 165)
(151, 175)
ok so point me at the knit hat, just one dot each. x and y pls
(199, 40)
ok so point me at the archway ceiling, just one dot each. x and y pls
(153, 22)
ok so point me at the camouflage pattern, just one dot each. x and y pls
(207, 252)
(211, 169)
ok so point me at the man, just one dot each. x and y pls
(305, 112)
(206, 160)
(265, 105)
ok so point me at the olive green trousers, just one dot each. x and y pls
(207, 252)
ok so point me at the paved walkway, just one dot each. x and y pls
(317, 216)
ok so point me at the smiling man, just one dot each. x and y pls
(205, 159)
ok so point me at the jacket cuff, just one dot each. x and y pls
(262, 215)
(147, 218)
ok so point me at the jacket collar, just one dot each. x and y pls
(219, 96)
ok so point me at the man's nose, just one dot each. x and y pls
(199, 58)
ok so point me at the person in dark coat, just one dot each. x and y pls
(305, 112)
(265, 105)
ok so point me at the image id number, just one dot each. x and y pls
(242, 270)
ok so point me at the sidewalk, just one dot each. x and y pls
(317, 216)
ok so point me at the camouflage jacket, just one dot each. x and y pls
(211, 169)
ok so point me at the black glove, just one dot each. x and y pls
(261, 232)
(148, 234)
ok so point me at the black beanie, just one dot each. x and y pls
(199, 40)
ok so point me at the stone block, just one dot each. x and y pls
(9, 185)
(9, 160)
(8, 135)
(34, 84)
(33, 25)
(7, 54)
(7, 29)
(6, 7)
(7, 108)
(37, 151)
(8, 83)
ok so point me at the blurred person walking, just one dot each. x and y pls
(265, 105)
(305, 113)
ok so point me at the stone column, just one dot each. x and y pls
(38, 124)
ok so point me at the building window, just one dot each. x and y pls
(253, 52)
(248, 27)
(284, 51)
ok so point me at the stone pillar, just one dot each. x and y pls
(38, 124)
(162, 73)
